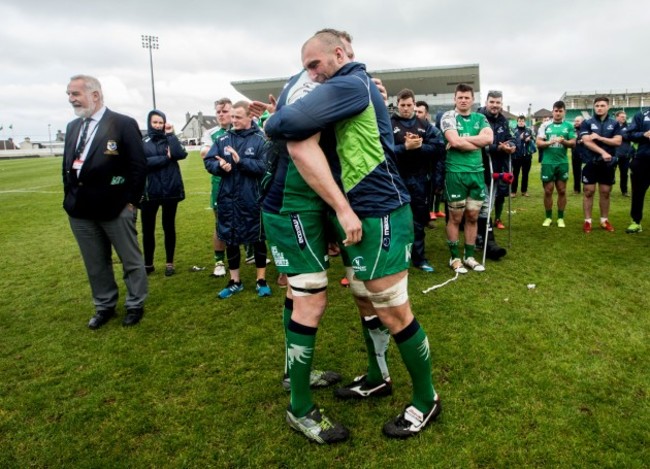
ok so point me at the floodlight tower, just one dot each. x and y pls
(151, 42)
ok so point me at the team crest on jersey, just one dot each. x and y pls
(250, 151)
(610, 127)
(111, 145)
(358, 264)
(396, 130)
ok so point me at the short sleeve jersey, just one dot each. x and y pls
(556, 153)
(466, 126)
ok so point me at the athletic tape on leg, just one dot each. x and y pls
(308, 284)
(395, 295)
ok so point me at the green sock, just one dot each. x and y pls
(560, 213)
(413, 346)
(453, 248)
(219, 256)
(469, 250)
(549, 214)
(286, 317)
(300, 352)
(377, 339)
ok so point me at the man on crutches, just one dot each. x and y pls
(496, 160)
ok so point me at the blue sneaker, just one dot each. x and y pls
(231, 289)
(426, 267)
(262, 289)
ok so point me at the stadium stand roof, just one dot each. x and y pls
(423, 81)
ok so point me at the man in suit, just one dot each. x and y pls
(104, 171)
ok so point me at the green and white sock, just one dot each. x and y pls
(413, 346)
(300, 355)
(454, 249)
(377, 339)
(286, 317)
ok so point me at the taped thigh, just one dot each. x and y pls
(395, 295)
(457, 206)
(473, 204)
(308, 284)
(357, 287)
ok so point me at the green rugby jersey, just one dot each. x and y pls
(466, 126)
(556, 153)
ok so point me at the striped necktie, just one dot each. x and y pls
(82, 141)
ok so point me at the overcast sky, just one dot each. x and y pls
(532, 50)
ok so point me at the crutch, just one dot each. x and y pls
(509, 204)
(489, 214)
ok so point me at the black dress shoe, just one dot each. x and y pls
(133, 317)
(100, 318)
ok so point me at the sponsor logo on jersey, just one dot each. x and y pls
(594, 127)
(278, 257)
(298, 231)
(385, 231)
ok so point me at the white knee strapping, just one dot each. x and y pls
(395, 295)
(474, 204)
(308, 284)
(357, 287)
(457, 206)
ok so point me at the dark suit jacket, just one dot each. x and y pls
(113, 173)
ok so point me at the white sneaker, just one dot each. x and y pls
(457, 266)
(473, 264)
(547, 222)
(560, 223)
(219, 269)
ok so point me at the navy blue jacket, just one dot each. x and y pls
(525, 149)
(607, 128)
(239, 219)
(626, 150)
(163, 151)
(639, 125)
(419, 161)
(350, 93)
(501, 130)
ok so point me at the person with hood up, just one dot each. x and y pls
(164, 188)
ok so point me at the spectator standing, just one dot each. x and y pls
(104, 171)
(522, 158)
(577, 156)
(164, 188)
(239, 158)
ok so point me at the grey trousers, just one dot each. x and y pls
(95, 239)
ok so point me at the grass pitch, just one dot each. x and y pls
(553, 376)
